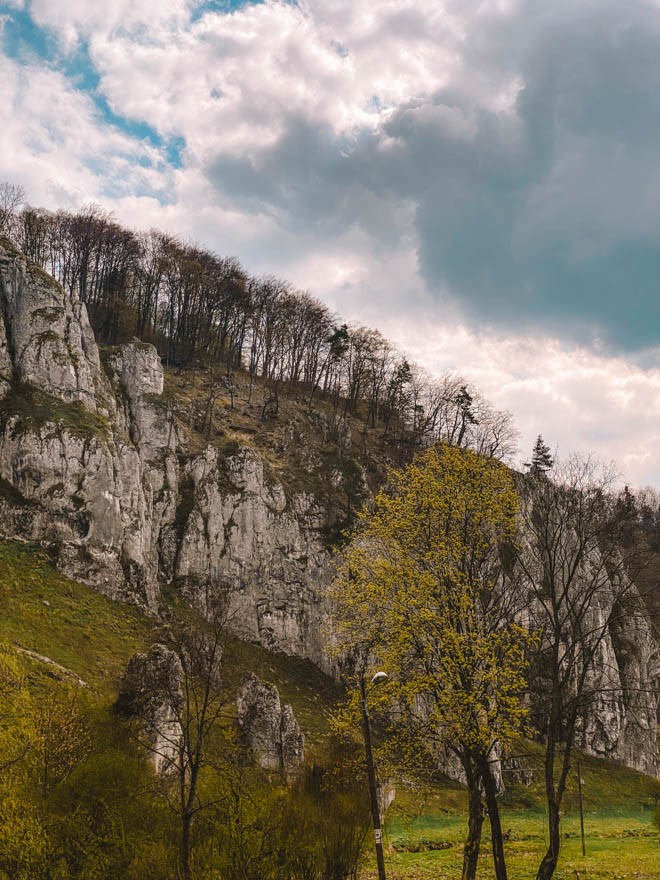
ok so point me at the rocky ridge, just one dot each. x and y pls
(94, 464)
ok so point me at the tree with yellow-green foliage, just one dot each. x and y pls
(23, 841)
(426, 593)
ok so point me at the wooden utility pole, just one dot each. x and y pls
(579, 778)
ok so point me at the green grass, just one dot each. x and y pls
(425, 832)
(43, 611)
(618, 846)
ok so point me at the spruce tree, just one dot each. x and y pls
(542, 460)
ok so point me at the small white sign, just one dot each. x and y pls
(378, 835)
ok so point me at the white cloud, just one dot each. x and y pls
(340, 144)
(73, 20)
(55, 142)
(578, 400)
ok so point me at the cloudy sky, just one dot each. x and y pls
(479, 179)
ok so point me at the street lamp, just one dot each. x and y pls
(371, 773)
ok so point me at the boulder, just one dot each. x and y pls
(150, 694)
(270, 729)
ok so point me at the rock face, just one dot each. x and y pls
(593, 597)
(46, 340)
(93, 464)
(150, 693)
(242, 534)
(622, 722)
(270, 729)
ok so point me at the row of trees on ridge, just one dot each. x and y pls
(198, 307)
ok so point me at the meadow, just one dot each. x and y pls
(618, 845)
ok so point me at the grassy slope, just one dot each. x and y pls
(43, 611)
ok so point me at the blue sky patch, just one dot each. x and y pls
(24, 42)
(22, 39)
(220, 6)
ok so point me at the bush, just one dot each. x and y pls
(105, 822)
(325, 825)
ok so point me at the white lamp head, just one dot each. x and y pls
(379, 677)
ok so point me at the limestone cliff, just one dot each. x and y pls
(95, 464)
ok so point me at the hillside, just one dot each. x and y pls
(91, 638)
(147, 482)
(46, 616)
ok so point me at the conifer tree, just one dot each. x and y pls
(542, 460)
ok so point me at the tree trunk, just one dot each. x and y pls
(490, 790)
(186, 872)
(551, 857)
(475, 822)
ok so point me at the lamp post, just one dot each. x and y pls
(371, 773)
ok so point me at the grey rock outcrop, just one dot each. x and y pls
(150, 694)
(46, 340)
(242, 534)
(622, 721)
(270, 729)
(63, 447)
(610, 658)
(95, 466)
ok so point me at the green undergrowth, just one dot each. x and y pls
(34, 410)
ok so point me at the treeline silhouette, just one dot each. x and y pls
(201, 308)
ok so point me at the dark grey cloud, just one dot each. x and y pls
(544, 214)
(556, 227)
(313, 180)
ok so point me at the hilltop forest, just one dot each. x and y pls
(200, 308)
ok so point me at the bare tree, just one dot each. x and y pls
(12, 196)
(32, 230)
(578, 578)
(173, 697)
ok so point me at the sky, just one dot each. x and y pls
(478, 179)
